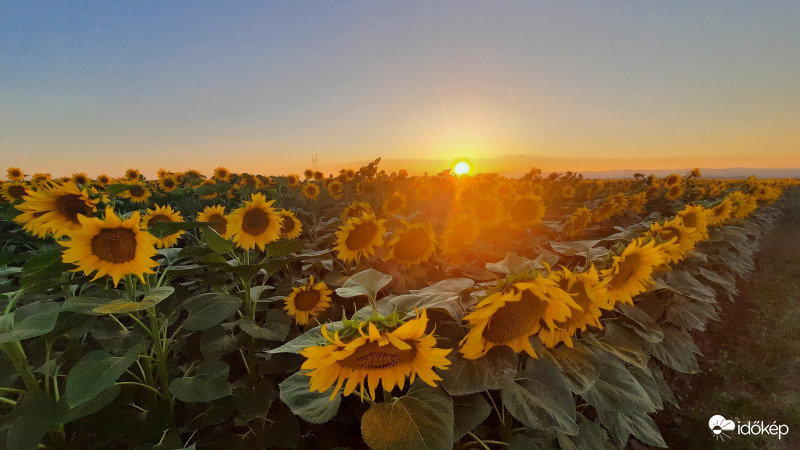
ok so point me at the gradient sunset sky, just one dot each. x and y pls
(258, 86)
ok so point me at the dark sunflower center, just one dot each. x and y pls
(16, 191)
(307, 299)
(222, 226)
(158, 218)
(255, 222)
(115, 245)
(515, 319)
(413, 244)
(627, 269)
(70, 205)
(137, 191)
(361, 236)
(80, 179)
(288, 224)
(374, 356)
(169, 183)
(690, 220)
(669, 233)
(15, 173)
(395, 203)
(355, 212)
(525, 210)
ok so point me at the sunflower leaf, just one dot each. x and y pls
(115, 189)
(579, 366)
(164, 229)
(216, 243)
(616, 389)
(309, 338)
(276, 328)
(423, 418)
(155, 297)
(313, 407)
(96, 372)
(494, 370)
(32, 320)
(368, 282)
(210, 382)
(207, 310)
(469, 411)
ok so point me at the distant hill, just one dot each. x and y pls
(730, 173)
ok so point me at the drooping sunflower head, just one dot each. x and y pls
(12, 191)
(310, 191)
(695, 216)
(358, 237)
(356, 209)
(111, 247)
(395, 203)
(413, 244)
(222, 173)
(292, 180)
(579, 220)
(386, 357)
(163, 214)
(256, 223)
(308, 301)
(515, 313)
(15, 174)
(720, 213)
(636, 202)
(605, 211)
(589, 293)
(56, 210)
(460, 233)
(632, 271)
(674, 191)
(424, 193)
(526, 211)
(216, 215)
(291, 225)
(672, 180)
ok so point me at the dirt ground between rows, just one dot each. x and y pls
(750, 368)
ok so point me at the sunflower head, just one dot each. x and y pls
(56, 210)
(12, 191)
(15, 174)
(222, 173)
(673, 180)
(292, 180)
(358, 237)
(526, 211)
(695, 216)
(291, 226)
(257, 223)
(80, 178)
(163, 214)
(631, 272)
(335, 189)
(674, 191)
(460, 233)
(589, 293)
(139, 193)
(103, 180)
(216, 215)
(395, 203)
(308, 174)
(310, 191)
(308, 301)
(413, 244)
(356, 209)
(375, 356)
(111, 247)
(132, 174)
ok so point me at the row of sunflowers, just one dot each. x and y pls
(236, 309)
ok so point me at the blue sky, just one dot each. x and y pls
(102, 86)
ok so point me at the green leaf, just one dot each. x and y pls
(494, 370)
(96, 372)
(276, 328)
(590, 435)
(115, 189)
(616, 389)
(454, 285)
(216, 243)
(216, 342)
(155, 297)
(368, 282)
(640, 323)
(689, 315)
(307, 339)
(208, 383)
(423, 418)
(207, 310)
(30, 421)
(283, 247)
(682, 282)
(84, 304)
(32, 320)
(164, 229)
(621, 425)
(100, 401)
(253, 402)
(208, 189)
(542, 398)
(469, 411)
(579, 366)
(677, 350)
(247, 272)
(626, 345)
(313, 407)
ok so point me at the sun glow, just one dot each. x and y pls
(462, 168)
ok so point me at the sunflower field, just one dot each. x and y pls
(362, 310)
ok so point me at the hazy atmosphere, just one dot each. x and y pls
(260, 86)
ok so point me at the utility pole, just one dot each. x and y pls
(314, 162)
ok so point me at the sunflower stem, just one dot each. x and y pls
(16, 354)
(159, 347)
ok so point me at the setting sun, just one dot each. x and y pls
(462, 168)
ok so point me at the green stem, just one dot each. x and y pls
(16, 354)
(134, 383)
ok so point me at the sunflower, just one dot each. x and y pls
(132, 174)
(459, 234)
(111, 247)
(356, 209)
(605, 211)
(743, 204)
(163, 214)
(350, 174)
(632, 272)
(319, 176)
(80, 178)
(15, 174)
(256, 223)
(335, 189)
(487, 211)
(168, 184)
(103, 180)
(358, 237)
(636, 202)
(674, 191)
(424, 193)
(381, 356)
(395, 203)
(39, 178)
(568, 192)
(222, 173)
(13, 190)
(191, 176)
(56, 210)
(695, 216)
(414, 244)
(138, 193)
(216, 214)
(579, 220)
(677, 233)
(310, 191)
(720, 213)
(308, 301)
(673, 180)
(308, 174)
(292, 180)
(696, 172)
(291, 226)
(526, 211)
(509, 317)
(233, 192)
(589, 293)
(253, 182)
